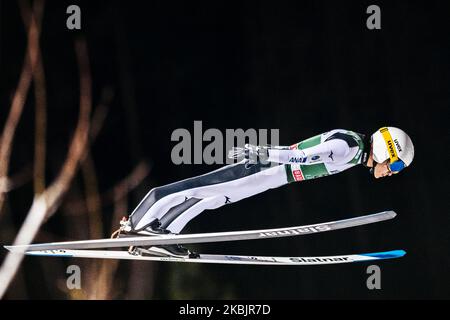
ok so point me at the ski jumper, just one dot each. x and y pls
(172, 206)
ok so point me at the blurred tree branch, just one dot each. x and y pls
(45, 203)
(15, 112)
(46, 200)
(40, 97)
(17, 180)
(41, 114)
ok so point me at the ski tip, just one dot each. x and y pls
(10, 248)
(386, 254)
(15, 249)
(391, 213)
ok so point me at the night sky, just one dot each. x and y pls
(301, 67)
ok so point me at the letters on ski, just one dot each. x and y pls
(295, 231)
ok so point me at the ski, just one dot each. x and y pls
(166, 239)
(224, 259)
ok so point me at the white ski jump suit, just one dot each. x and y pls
(172, 206)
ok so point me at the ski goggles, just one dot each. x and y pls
(394, 167)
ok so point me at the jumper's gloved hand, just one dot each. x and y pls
(256, 154)
(251, 153)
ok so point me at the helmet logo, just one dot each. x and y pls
(398, 145)
(391, 149)
(389, 144)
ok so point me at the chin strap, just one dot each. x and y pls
(366, 151)
(367, 140)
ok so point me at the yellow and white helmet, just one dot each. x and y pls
(394, 144)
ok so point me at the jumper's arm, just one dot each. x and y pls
(325, 152)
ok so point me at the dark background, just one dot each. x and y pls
(302, 67)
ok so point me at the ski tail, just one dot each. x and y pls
(386, 255)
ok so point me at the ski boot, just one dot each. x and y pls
(154, 229)
(170, 250)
